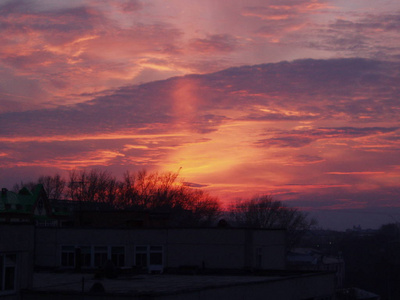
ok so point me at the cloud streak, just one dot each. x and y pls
(294, 98)
(304, 127)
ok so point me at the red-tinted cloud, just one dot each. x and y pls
(320, 129)
(218, 43)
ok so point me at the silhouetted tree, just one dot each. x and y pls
(29, 185)
(265, 212)
(53, 185)
(159, 192)
(92, 186)
(164, 192)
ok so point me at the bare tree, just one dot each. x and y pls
(75, 186)
(161, 192)
(265, 212)
(127, 194)
(53, 185)
(92, 186)
(165, 192)
(29, 185)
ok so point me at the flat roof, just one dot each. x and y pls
(145, 284)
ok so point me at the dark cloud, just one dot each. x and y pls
(17, 6)
(307, 127)
(301, 138)
(376, 23)
(281, 18)
(55, 26)
(212, 44)
(271, 12)
(130, 5)
(371, 35)
(301, 90)
(76, 48)
(348, 198)
(195, 185)
(305, 159)
(286, 141)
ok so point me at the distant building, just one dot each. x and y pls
(34, 207)
(312, 259)
(356, 294)
(26, 207)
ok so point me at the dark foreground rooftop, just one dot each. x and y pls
(139, 284)
(157, 286)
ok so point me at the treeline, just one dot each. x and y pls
(142, 190)
(166, 192)
(266, 212)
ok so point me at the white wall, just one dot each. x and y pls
(18, 239)
(210, 247)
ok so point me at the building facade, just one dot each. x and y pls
(26, 207)
(154, 250)
(16, 259)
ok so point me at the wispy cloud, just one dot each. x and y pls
(367, 35)
(296, 98)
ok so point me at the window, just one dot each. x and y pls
(68, 256)
(118, 256)
(150, 257)
(46, 223)
(8, 263)
(92, 256)
(156, 255)
(86, 257)
(100, 256)
(141, 256)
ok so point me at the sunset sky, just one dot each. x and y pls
(299, 99)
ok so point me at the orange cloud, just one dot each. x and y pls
(355, 173)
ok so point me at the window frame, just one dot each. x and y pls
(90, 256)
(8, 264)
(149, 251)
(71, 252)
(143, 250)
(117, 258)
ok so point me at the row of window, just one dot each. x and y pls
(8, 265)
(96, 256)
(9, 206)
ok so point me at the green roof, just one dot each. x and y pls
(21, 202)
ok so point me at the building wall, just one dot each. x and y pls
(270, 250)
(210, 248)
(17, 242)
(200, 247)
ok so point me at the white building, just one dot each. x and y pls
(16, 259)
(159, 249)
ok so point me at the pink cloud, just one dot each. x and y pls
(218, 43)
(317, 128)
